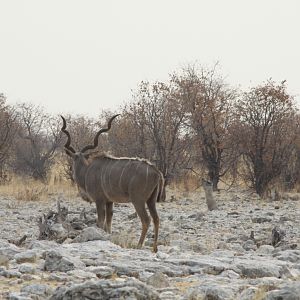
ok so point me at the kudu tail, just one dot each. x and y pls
(161, 196)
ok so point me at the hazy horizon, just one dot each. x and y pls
(81, 57)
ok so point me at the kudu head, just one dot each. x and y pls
(81, 155)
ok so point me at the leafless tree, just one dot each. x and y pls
(130, 136)
(208, 102)
(38, 138)
(8, 131)
(290, 175)
(152, 128)
(266, 132)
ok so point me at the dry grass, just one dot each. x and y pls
(26, 189)
(262, 291)
(183, 286)
(260, 294)
(188, 183)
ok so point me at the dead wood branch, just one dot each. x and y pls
(59, 225)
(20, 241)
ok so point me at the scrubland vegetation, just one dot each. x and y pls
(193, 125)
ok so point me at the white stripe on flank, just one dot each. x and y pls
(137, 166)
(147, 174)
(146, 178)
(120, 180)
(103, 173)
(109, 175)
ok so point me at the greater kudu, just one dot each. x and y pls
(105, 179)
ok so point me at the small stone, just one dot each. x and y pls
(91, 234)
(289, 291)
(265, 249)
(223, 246)
(158, 280)
(292, 256)
(230, 274)
(27, 277)
(106, 289)
(80, 274)
(132, 216)
(162, 255)
(54, 261)
(27, 256)
(102, 272)
(15, 282)
(28, 269)
(249, 293)
(249, 245)
(261, 219)
(37, 289)
(58, 277)
(18, 296)
(9, 250)
(11, 274)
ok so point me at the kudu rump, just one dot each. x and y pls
(105, 179)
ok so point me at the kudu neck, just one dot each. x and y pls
(80, 167)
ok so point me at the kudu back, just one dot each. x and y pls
(105, 180)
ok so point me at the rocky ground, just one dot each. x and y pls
(220, 254)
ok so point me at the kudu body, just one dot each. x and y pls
(105, 180)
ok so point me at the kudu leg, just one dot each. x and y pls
(153, 212)
(108, 216)
(101, 214)
(142, 213)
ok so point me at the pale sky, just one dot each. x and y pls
(80, 57)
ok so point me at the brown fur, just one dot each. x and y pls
(105, 180)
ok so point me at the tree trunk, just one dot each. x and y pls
(260, 184)
(208, 189)
(214, 177)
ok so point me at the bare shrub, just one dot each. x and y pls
(208, 103)
(8, 131)
(290, 175)
(152, 127)
(34, 193)
(38, 138)
(265, 132)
